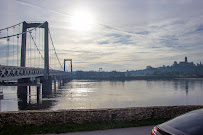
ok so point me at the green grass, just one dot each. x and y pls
(57, 128)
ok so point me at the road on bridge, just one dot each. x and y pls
(144, 130)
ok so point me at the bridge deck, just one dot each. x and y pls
(8, 73)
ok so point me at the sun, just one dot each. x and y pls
(82, 21)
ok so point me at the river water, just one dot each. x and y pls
(86, 94)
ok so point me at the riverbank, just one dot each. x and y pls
(60, 121)
(128, 78)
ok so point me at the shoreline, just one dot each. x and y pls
(137, 78)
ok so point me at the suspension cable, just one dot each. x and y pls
(36, 46)
(7, 50)
(29, 30)
(42, 48)
(18, 47)
(10, 26)
(35, 49)
(22, 32)
(13, 46)
(68, 67)
(39, 46)
(29, 50)
(55, 50)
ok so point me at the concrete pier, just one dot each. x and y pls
(46, 86)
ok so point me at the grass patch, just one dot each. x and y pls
(64, 128)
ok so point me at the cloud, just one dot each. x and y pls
(168, 41)
(116, 38)
(80, 62)
(142, 32)
(127, 34)
(199, 29)
(103, 42)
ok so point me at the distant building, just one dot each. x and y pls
(186, 63)
(185, 59)
(175, 63)
(149, 67)
(199, 64)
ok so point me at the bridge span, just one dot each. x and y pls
(29, 62)
(10, 73)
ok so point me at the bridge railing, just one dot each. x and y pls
(14, 73)
(59, 74)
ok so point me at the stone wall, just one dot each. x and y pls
(80, 116)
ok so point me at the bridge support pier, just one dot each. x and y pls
(60, 83)
(29, 89)
(47, 86)
(54, 85)
(22, 96)
(22, 90)
(38, 94)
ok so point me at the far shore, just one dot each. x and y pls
(126, 78)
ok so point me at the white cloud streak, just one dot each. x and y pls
(127, 35)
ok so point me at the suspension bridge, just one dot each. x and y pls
(27, 57)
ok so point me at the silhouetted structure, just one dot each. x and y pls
(181, 69)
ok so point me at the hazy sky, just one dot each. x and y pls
(116, 34)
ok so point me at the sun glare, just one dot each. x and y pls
(82, 21)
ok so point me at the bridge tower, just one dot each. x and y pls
(46, 45)
(46, 82)
(70, 64)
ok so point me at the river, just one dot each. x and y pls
(88, 94)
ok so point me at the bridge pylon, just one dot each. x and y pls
(70, 64)
(46, 80)
(46, 44)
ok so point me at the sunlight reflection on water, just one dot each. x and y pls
(84, 94)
